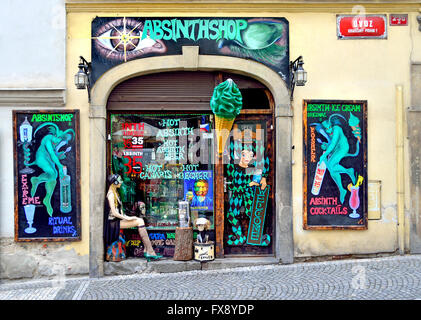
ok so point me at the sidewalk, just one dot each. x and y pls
(397, 277)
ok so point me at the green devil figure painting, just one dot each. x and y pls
(47, 158)
(337, 147)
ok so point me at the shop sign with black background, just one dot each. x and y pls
(47, 175)
(335, 164)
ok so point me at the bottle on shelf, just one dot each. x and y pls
(65, 192)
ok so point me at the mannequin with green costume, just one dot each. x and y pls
(118, 220)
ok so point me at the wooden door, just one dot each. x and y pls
(249, 219)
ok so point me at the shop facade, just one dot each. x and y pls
(153, 69)
(164, 101)
(289, 226)
(260, 120)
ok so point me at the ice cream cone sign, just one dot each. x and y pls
(226, 104)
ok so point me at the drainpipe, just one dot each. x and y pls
(400, 170)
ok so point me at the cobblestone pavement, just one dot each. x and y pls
(397, 277)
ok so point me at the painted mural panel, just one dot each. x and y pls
(116, 40)
(47, 194)
(335, 164)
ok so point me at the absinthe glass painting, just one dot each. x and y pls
(164, 159)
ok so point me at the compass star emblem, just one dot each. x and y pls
(123, 39)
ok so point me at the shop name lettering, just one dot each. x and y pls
(25, 199)
(194, 29)
(315, 110)
(330, 205)
(62, 225)
(52, 117)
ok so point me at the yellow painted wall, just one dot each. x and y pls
(78, 44)
(351, 70)
(337, 69)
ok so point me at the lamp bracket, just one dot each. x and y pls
(293, 66)
(87, 68)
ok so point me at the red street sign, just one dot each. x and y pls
(361, 26)
(398, 19)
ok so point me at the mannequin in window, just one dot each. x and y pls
(118, 220)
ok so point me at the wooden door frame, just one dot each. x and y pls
(219, 179)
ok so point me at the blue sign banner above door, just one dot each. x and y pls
(120, 39)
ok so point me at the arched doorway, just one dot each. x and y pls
(160, 130)
(283, 244)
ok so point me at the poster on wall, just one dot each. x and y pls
(117, 40)
(47, 175)
(335, 164)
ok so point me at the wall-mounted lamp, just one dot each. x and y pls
(82, 80)
(298, 76)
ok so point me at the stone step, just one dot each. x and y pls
(167, 265)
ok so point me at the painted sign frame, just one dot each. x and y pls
(340, 18)
(58, 209)
(334, 211)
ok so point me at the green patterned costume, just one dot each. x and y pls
(127, 191)
(241, 198)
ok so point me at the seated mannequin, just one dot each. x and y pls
(124, 221)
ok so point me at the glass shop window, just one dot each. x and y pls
(164, 159)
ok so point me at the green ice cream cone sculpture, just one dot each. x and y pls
(223, 128)
(226, 104)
